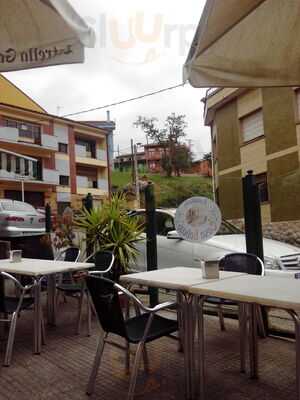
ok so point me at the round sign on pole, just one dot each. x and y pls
(197, 219)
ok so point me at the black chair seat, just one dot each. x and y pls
(218, 301)
(71, 288)
(11, 303)
(160, 327)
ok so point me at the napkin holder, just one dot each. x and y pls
(210, 269)
(15, 256)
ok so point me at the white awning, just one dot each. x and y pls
(38, 33)
(246, 43)
(11, 153)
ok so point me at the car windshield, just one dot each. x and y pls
(17, 206)
(227, 228)
(165, 223)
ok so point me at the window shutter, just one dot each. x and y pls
(252, 126)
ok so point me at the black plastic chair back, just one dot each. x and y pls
(102, 260)
(71, 254)
(4, 253)
(242, 262)
(106, 301)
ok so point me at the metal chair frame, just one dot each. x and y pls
(82, 294)
(60, 277)
(141, 346)
(22, 290)
(242, 312)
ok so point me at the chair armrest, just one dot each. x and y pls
(17, 282)
(141, 305)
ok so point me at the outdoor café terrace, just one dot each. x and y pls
(62, 369)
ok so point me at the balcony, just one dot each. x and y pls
(43, 141)
(103, 184)
(101, 155)
(86, 157)
(50, 176)
(86, 185)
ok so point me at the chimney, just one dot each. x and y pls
(108, 115)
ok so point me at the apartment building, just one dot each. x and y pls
(59, 160)
(259, 130)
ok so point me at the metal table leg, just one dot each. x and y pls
(243, 335)
(37, 317)
(190, 333)
(201, 348)
(253, 345)
(51, 300)
(183, 326)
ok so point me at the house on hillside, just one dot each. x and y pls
(202, 167)
(258, 130)
(124, 162)
(63, 159)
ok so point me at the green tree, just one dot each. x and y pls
(183, 159)
(169, 137)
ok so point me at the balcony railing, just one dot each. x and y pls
(103, 184)
(84, 182)
(15, 135)
(81, 152)
(50, 176)
(101, 155)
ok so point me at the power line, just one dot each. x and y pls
(126, 101)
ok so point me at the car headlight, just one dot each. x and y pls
(272, 263)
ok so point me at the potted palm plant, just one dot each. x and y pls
(111, 228)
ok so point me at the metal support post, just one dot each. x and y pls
(151, 232)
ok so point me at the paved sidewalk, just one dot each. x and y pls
(61, 371)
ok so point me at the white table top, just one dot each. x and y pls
(34, 267)
(267, 291)
(178, 278)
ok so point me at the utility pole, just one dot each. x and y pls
(132, 162)
(136, 177)
(119, 161)
(146, 154)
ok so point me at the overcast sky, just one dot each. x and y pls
(141, 47)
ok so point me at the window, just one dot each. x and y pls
(252, 126)
(26, 167)
(64, 180)
(164, 221)
(8, 162)
(63, 148)
(90, 147)
(11, 205)
(27, 131)
(18, 165)
(262, 183)
(92, 184)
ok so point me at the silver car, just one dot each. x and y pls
(280, 258)
(20, 219)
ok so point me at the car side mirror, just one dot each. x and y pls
(174, 235)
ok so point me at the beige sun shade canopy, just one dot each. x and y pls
(246, 43)
(38, 33)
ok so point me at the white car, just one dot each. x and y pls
(280, 258)
(19, 219)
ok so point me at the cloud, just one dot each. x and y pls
(141, 47)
